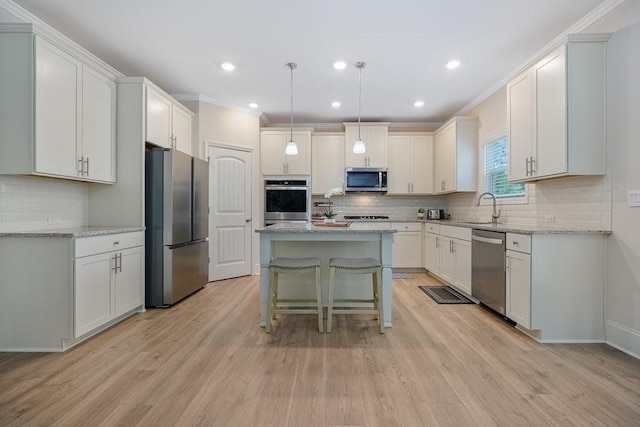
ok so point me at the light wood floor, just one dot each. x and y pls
(207, 362)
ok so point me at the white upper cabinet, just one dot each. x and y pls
(327, 162)
(556, 113)
(410, 158)
(374, 136)
(168, 122)
(274, 160)
(456, 156)
(57, 110)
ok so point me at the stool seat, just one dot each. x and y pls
(356, 266)
(295, 263)
(276, 305)
(354, 263)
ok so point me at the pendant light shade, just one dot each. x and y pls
(292, 148)
(358, 146)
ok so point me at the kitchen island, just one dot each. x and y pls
(306, 239)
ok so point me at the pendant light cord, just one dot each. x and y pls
(359, 66)
(292, 66)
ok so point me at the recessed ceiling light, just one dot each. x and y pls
(253, 105)
(336, 104)
(339, 65)
(453, 64)
(418, 103)
(228, 66)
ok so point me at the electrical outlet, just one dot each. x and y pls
(633, 198)
(549, 218)
(53, 220)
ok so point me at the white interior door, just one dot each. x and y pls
(230, 212)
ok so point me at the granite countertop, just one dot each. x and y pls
(319, 229)
(72, 232)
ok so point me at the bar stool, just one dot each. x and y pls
(293, 266)
(356, 266)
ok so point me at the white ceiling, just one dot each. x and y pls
(180, 44)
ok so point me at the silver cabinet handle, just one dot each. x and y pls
(120, 257)
(507, 260)
(533, 170)
(116, 242)
(437, 242)
(247, 220)
(527, 173)
(87, 162)
(81, 165)
(515, 243)
(115, 263)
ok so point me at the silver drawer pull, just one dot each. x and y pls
(516, 243)
(116, 242)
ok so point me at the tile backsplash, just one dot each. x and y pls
(578, 202)
(35, 203)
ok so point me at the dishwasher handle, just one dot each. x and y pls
(487, 240)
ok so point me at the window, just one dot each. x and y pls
(495, 170)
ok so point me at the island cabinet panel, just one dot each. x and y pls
(77, 288)
(57, 112)
(556, 113)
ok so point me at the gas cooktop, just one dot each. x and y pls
(366, 217)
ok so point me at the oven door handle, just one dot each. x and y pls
(279, 187)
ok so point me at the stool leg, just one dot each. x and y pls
(332, 275)
(270, 299)
(378, 285)
(319, 301)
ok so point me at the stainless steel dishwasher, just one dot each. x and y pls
(488, 279)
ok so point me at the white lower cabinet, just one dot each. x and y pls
(407, 245)
(57, 290)
(107, 285)
(555, 285)
(518, 290)
(448, 254)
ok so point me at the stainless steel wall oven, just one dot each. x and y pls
(286, 200)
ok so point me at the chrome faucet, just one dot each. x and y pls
(495, 215)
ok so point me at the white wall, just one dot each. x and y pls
(237, 128)
(623, 158)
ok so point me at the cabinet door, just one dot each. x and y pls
(432, 253)
(272, 157)
(94, 304)
(519, 125)
(399, 164)
(158, 119)
(57, 96)
(518, 290)
(376, 144)
(407, 249)
(300, 164)
(327, 163)
(129, 281)
(447, 259)
(181, 129)
(462, 255)
(445, 152)
(421, 164)
(550, 114)
(98, 126)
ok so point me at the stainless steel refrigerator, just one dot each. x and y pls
(176, 216)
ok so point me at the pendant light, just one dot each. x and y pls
(292, 148)
(358, 146)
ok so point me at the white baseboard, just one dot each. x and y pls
(623, 338)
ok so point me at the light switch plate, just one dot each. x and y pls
(633, 198)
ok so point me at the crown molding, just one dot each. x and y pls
(194, 97)
(589, 19)
(52, 35)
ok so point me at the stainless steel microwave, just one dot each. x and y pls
(365, 180)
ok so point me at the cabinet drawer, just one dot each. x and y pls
(462, 233)
(519, 242)
(407, 226)
(432, 228)
(85, 246)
